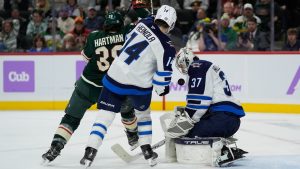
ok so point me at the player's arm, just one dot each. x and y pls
(162, 77)
(88, 50)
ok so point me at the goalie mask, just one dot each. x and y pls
(184, 58)
(168, 15)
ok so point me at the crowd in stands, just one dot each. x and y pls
(238, 25)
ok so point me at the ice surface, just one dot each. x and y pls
(272, 140)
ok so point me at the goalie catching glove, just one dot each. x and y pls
(180, 125)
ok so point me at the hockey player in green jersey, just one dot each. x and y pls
(100, 50)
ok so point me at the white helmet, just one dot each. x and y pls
(184, 58)
(167, 14)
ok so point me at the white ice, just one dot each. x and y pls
(272, 140)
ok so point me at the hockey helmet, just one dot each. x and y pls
(168, 15)
(113, 18)
(184, 59)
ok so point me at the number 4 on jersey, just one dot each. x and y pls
(134, 50)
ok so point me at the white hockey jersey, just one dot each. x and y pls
(209, 91)
(144, 60)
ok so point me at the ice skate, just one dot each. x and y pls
(230, 155)
(133, 139)
(88, 157)
(52, 153)
(149, 155)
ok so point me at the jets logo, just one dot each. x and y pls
(196, 65)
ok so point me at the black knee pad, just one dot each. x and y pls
(73, 122)
(129, 115)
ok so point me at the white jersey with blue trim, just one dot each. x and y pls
(209, 91)
(144, 60)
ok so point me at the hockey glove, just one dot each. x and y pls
(180, 125)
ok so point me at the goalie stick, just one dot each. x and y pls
(125, 156)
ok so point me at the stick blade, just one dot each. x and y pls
(119, 150)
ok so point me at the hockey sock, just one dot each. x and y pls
(65, 129)
(103, 120)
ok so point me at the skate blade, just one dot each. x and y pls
(230, 163)
(86, 163)
(45, 162)
(152, 162)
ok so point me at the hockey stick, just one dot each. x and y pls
(125, 156)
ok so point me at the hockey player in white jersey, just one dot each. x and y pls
(211, 109)
(144, 63)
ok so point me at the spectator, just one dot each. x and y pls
(8, 37)
(80, 33)
(84, 4)
(240, 24)
(72, 7)
(228, 32)
(37, 25)
(19, 22)
(228, 8)
(21, 5)
(45, 6)
(69, 44)
(253, 39)
(208, 38)
(65, 23)
(188, 4)
(263, 11)
(292, 43)
(92, 21)
(39, 44)
(53, 30)
(20, 26)
(194, 36)
(201, 16)
(196, 5)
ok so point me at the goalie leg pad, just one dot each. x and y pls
(197, 150)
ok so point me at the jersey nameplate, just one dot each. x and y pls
(147, 34)
(109, 40)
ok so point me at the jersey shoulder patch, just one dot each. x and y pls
(216, 68)
(196, 64)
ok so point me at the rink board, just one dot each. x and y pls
(263, 82)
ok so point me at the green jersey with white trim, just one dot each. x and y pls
(100, 50)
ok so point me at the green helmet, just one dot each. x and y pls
(113, 18)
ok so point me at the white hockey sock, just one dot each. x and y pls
(144, 123)
(103, 120)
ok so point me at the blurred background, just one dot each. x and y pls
(203, 25)
(256, 42)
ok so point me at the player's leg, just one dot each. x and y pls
(142, 111)
(108, 104)
(216, 124)
(129, 121)
(83, 97)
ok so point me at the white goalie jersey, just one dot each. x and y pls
(209, 91)
(144, 60)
